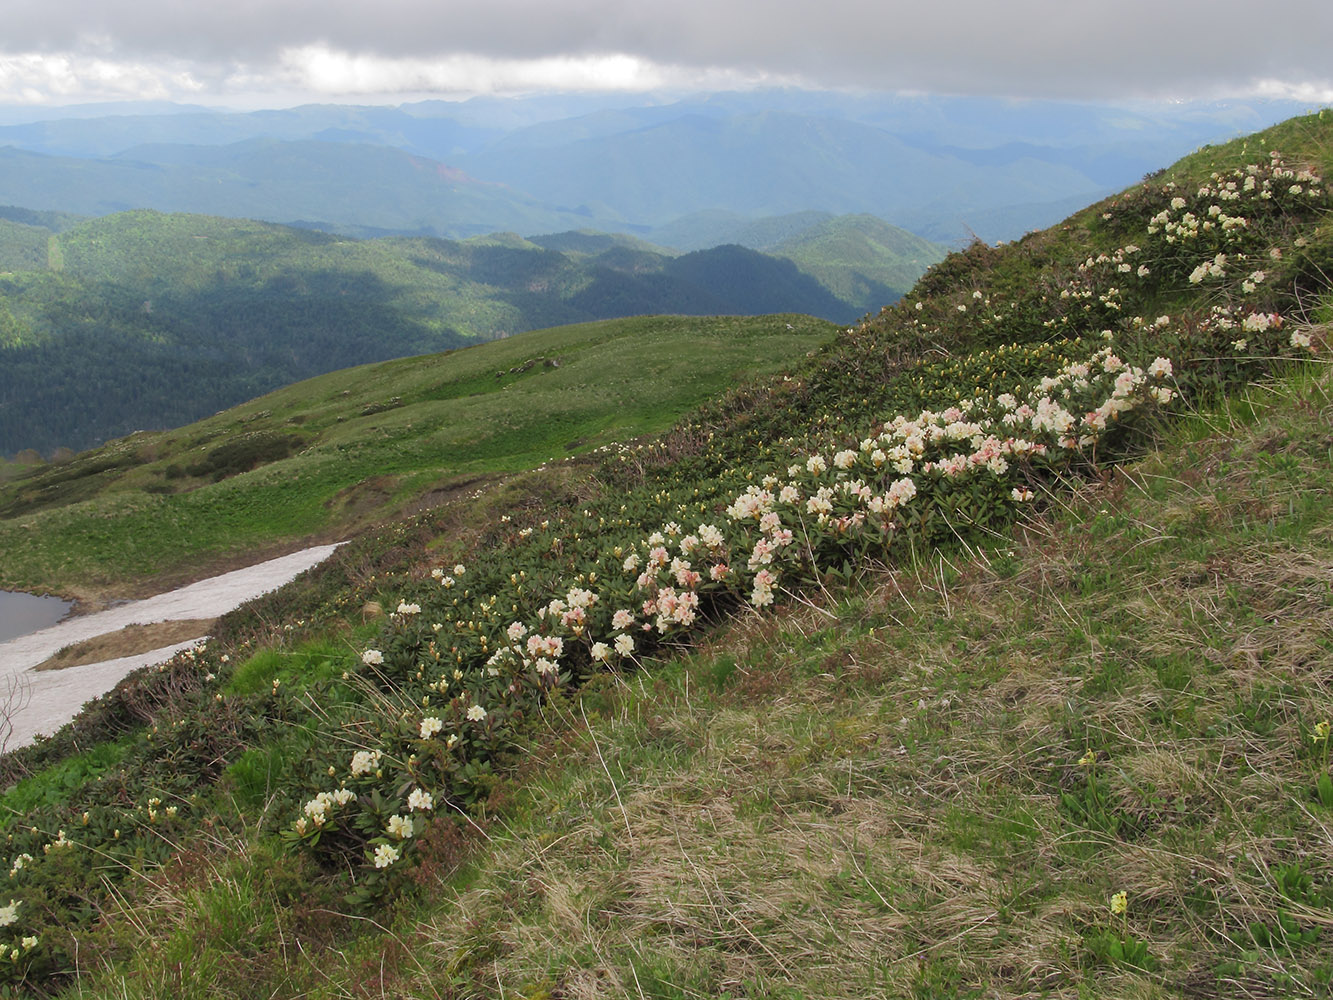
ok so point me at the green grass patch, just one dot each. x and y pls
(307, 665)
(52, 786)
(149, 506)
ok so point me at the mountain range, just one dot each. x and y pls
(944, 168)
(142, 320)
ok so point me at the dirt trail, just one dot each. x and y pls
(41, 702)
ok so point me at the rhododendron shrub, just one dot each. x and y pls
(462, 683)
(471, 657)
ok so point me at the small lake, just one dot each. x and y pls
(22, 613)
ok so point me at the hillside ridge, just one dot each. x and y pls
(975, 652)
(140, 320)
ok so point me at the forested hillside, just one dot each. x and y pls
(143, 321)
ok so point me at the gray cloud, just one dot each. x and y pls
(1021, 48)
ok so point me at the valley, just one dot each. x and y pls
(143, 321)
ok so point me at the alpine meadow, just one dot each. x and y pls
(978, 648)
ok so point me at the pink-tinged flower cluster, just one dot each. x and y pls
(522, 649)
(1258, 322)
(754, 503)
(551, 646)
(572, 610)
(669, 607)
(671, 581)
(762, 594)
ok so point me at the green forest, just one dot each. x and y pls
(142, 320)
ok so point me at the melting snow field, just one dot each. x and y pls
(41, 702)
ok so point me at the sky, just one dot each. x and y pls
(277, 53)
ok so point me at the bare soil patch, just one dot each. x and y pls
(129, 641)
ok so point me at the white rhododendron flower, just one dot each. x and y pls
(365, 761)
(420, 800)
(430, 726)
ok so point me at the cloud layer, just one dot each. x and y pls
(70, 49)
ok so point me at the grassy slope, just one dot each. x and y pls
(865, 797)
(926, 781)
(445, 418)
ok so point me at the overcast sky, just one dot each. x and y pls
(281, 52)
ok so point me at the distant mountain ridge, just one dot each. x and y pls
(762, 164)
(943, 168)
(335, 186)
(147, 320)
